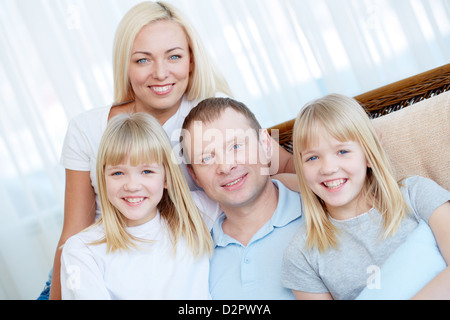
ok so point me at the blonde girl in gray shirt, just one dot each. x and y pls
(356, 213)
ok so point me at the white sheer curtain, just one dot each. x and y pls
(55, 62)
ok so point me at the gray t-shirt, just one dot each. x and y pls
(344, 272)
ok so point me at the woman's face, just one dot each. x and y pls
(159, 68)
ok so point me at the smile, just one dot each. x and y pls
(161, 90)
(334, 184)
(233, 183)
(133, 200)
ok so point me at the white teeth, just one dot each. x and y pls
(134, 200)
(335, 183)
(233, 183)
(161, 89)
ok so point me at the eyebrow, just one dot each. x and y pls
(150, 54)
(339, 145)
(112, 168)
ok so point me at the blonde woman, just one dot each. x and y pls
(151, 241)
(356, 212)
(160, 68)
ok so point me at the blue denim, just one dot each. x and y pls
(45, 294)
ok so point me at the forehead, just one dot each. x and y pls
(317, 133)
(165, 33)
(228, 119)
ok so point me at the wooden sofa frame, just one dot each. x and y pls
(387, 99)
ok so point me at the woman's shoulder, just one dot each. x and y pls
(92, 114)
(90, 120)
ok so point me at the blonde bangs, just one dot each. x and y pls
(311, 120)
(133, 146)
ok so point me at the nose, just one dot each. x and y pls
(132, 184)
(328, 166)
(160, 71)
(226, 162)
(225, 168)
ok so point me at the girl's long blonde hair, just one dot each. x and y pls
(139, 138)
(345, 120)
(205, 80)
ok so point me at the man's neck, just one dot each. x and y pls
(242, 223)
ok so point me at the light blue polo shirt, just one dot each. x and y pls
(253, 272)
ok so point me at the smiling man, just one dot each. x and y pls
(229, 156)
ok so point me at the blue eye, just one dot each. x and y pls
(206, 159)
(118, 173)
(142, 61)
(147, 172)
(238, 145)
(312, 158)
(175, 57)
(342, 152)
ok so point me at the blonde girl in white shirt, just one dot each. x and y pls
(151, 241)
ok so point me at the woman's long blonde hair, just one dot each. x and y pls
(139, 138)
(205, 80)
(345, 120)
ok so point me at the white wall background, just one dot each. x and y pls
(55, 62)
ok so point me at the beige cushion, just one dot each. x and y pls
(417, 139)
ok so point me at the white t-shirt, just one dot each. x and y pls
(209, 209)
(85, 131)
(152, 271)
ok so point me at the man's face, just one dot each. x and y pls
(228, 160)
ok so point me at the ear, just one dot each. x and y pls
(266, 143)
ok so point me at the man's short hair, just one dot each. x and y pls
(210, 110)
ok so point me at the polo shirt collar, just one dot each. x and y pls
(283, 215)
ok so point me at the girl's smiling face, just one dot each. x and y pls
(135, 190)
(336, 172)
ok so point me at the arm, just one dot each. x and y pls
(299, 295)
(439, 287)
(79, 213)
(289, 180)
